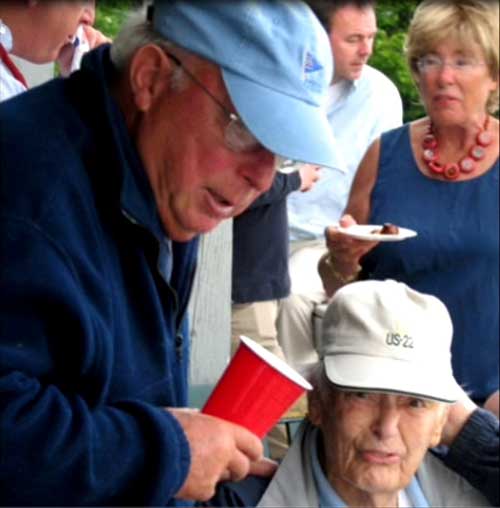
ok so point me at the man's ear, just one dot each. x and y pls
(149, 73)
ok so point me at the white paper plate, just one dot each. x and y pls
(365, 232)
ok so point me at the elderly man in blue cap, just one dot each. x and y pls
(107, 180)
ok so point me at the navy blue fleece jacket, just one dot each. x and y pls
(93, 297)
(260, 245)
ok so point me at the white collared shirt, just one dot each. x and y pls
(9, 85)
(359, 112)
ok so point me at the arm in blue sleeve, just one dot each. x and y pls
(474, 454)
(283, 184)
(63, 440)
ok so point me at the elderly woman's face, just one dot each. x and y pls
(455, 83)
(374, 442)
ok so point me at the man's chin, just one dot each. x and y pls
(355, 75)
(185, 231)
(187, 234)
(244, 207)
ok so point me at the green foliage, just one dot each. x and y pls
(389, 57)
(111, 14)
(395, 16)
(392, 17)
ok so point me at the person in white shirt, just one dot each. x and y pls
(41, 32)
(362, 104)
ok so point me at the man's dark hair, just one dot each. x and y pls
(325, 9)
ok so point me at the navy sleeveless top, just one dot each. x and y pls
(454, 257)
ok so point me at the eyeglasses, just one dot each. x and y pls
(460, 64)
(237, 137)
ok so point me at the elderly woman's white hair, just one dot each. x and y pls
(315, 373)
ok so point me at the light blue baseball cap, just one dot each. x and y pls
(276, 63)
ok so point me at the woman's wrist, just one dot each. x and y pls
(342, 273)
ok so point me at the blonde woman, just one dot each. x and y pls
(439, 176)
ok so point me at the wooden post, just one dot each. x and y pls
(210, 312)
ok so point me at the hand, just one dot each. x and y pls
(309, 175)
(458, 414)
(264, 467)
(492, 403)
(346, 251)
(220, 450)
(94, 39)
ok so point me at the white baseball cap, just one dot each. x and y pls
(384, 336)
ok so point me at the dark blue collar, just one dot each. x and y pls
(136, 196)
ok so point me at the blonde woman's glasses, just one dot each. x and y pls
(461, 64)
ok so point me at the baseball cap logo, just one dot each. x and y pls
(311, 64)
(311, 76)
(396, 339)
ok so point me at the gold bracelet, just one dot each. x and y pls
(345, 279)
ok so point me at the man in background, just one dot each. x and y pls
(362, 103)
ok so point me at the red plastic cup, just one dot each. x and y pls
(256, 389)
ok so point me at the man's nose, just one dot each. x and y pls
(365, 47)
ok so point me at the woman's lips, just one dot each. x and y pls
(444, 99)
(383, 458)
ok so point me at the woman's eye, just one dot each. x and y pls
(466, 62)
(417, 403)
(364, 397)
(360, 395)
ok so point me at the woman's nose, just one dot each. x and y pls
(446, 73)
(386, 423)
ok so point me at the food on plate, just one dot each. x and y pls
(387, 229)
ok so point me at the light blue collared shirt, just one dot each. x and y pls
(367, 107)
(328, 498)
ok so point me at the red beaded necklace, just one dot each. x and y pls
(466, 164)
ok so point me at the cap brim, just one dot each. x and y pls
(285, 125)
(379, 374)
